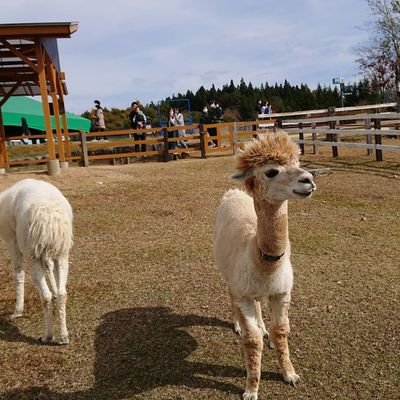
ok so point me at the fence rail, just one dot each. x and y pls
(344, 130)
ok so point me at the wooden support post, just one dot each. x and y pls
(301, 137)
(203, 140)
(166, 145)
(378, 140)
(65, 132)
(68, 151)
(45, 100)
(3, 147)
(56, 111)
(84, 150)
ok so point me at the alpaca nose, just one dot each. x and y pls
(307, 178)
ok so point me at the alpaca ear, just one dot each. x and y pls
(239, 175)
(246, 178)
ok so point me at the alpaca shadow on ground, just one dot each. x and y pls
(10, 333)
(145, 348)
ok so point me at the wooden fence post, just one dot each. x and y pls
(378, 140)
(219, 135)
(368, 137)
(301, 137)
(166, 145)
(203, 141)
(314, 138)
(84, 150)
(234, 138)
(332, 125)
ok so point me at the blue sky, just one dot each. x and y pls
(150, 49)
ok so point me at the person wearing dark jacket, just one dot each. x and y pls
(138, 121)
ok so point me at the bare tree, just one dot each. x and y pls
(380, 59)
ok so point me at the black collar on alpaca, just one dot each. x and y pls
(267, 257)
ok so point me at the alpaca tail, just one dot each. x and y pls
(50, 233)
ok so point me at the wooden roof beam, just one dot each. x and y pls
(9, 93)
(36, 30)
(20, 55)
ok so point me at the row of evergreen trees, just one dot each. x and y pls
(239, 101)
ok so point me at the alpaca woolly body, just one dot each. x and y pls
(237, 221)
(36, 223)
(252, 248)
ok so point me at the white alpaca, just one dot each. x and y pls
(252, 249)
(36, 222)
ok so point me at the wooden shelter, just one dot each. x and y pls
(30, 66)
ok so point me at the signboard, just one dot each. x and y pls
(337, 81)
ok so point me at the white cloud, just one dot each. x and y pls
(149, 50)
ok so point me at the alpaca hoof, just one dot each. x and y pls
(292, 378)
(264, 332)
(250, 395)
(46, 340)
(237, 329)
(16, 314)
(63, 340)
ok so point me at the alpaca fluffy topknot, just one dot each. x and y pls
(275, 148)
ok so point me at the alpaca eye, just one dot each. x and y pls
(271, 173)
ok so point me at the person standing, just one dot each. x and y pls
(97, 120)
(219, 112)
(138, 121)
(205, 119)
(180, 121)
(212, 114)
(259, 107)
(266, 108)
(172, 134)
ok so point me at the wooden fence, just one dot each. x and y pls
(338, 128)
(347, 131)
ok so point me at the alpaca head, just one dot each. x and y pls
(269, 168)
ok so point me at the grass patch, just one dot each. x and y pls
(149, 315)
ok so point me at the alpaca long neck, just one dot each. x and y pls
(272, 226)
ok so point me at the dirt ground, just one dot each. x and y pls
(148, 312)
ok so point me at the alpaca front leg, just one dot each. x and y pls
(253, 345)
(38, 277)
(235, 316)
(280, 332)
(260, 321)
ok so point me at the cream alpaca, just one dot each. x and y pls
(252, 249)
(36, 222)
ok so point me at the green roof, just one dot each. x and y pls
(17, 107)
